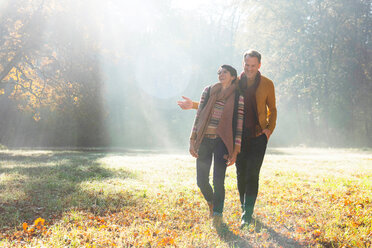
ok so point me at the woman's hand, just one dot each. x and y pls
(192, 149)
(232, 159)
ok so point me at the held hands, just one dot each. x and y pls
(186, 104)
(192, 149)
(232, 159)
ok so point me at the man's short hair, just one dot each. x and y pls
(253, 53)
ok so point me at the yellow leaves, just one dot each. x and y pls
(356, 223)
(97, 219)
(101, 220)
(166, 241)
(12, 74)
(333, 197)
(310, 220)
(316, 233)
(174, 219)
(39, 222)
(347, 202)
(235, 231)
(29, 88)
(25, 226)
(30, 73)
(181, 201)
(163, 217)
(17, 234)
(300, 229)
(37, 228)
(33, 91)
(148, 233)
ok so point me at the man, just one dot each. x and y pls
(259, 123)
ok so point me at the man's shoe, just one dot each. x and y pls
(217, 221)
(246, 219)
(245, 222)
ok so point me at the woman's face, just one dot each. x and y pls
(224, 76)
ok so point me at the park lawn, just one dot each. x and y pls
(308, 198)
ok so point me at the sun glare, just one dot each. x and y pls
(167, 70)
(186, 5)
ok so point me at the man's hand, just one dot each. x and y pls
(186, 104)
(232, 159)
(267, 132)
(192, 149)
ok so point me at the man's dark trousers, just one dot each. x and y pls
(248, 165)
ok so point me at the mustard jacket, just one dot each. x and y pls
(266, 107)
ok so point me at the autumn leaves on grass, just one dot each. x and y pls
(37, 228)
(29, 231)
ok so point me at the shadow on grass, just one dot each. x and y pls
(279, 238)
(233, 240)
(47, 184)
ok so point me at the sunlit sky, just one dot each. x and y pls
(186, 4)
(194, 4)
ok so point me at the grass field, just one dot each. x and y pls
(308, 198)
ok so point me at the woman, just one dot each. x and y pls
(217, 132)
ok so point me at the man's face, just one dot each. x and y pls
(251, 66)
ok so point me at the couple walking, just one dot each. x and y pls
(233, 123)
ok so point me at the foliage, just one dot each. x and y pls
(48, 73)
(82, 64)
(319, 55)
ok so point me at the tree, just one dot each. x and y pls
(318, 53)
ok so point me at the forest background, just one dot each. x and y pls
(108, 73)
